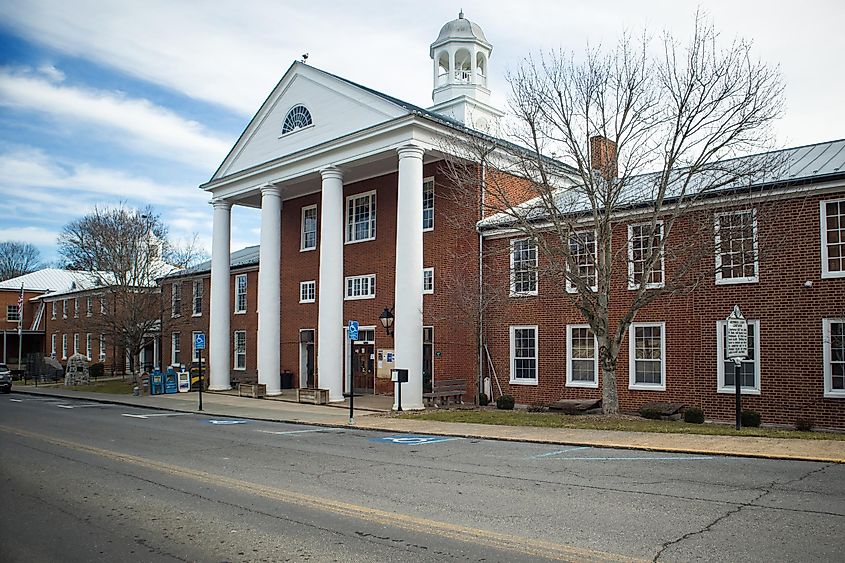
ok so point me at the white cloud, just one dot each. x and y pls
(148, 128)
(36, 235)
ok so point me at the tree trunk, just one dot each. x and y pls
(609, 396)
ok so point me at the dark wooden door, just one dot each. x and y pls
(363, 363)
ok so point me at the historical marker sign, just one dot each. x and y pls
(737, 335)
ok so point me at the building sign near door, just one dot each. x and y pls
(384, 363)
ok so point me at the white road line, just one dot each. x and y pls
(79, 406)
(146, 416)
(16, 400)
(291, 431)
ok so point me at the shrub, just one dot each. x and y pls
(96, 370)
(651, 413)
(536, 408)
(803, 424)
(750, 419)
(505, 402)
(483, 399)
(694, 415)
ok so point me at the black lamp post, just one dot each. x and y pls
(386, 319)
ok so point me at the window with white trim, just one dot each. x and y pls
(361, 287)
(647, 356)
(524, 356)
(749, 371)
(53, 345)
(89, 306)
(102, 355)
(64, 308)
(64, 346)
(197, 300)
(428, 205)
(308, 232)
(361, 217)
(104, 307)
(240, 293)
(240, 349)
(523, 267)
(53, 310)
(582, 247)
(308, 291)
(175, 299)
(643, 243)
(834, 357)
(736, 246)
(88, 349)
(832, 219)
(175, 347)
(195, 354)
(428, 280)
(13, 313)
(76, 307)
(298, 117)
(76, 343)
(582, 357)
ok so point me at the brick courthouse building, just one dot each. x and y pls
(358, 215)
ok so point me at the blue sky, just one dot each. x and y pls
(102, 102)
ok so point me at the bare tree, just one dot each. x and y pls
(625, 138)
(18, 258)
(125, 251)
(187, 253)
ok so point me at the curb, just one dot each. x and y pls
(478, 436)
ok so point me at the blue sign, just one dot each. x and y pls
(352, 330)
(413, 439)
(199, 341)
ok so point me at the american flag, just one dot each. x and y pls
(20, 308)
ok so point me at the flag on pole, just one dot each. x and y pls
(20, 309)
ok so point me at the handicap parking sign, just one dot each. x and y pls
(352, 330)
(199, 341)
(412, 439)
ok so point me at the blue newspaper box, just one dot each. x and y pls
(156, 383)
(171, 381)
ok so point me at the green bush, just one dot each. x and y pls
(505, 402)
(96, 370)
(483, 399)
(651, 413)
(694, 415)
(804, 424)
(750, 419)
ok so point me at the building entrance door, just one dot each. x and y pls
(306, 358)
(363, 367)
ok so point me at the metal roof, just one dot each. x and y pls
(240, 258)
(51, 280)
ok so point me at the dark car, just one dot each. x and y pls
(5, 379)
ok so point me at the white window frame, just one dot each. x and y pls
(632, 365)
(64, 308)
(197, 297)
(569, 368)
(103, 308)
(829, 391)
(428, 274)
(88, 348)
(64, 346)
(53, 311)
(826, 273)
(175, 299)
(522, 380)
(720, 361)
(175, 347)
(89, 306)
(348, 224)
(720, 280)
(102, 355)
(53, 344)
(428, 186)
(308, 291)
(194, 351)
(76, 307)
(302, 244)
(76, 343)
(347, 296)
(631, 283)
(530, 292)
(13, 313)
(238, 292)
(570, 287)
(236, 355)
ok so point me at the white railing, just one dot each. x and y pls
(38, 315)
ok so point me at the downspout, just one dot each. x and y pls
(480, 384)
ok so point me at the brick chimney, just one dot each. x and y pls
(603, 156)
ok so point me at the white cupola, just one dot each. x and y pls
(461, 55)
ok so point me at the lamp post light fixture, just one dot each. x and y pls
(386, 319)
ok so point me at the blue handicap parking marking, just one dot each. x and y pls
(226, 422)
(413, 439)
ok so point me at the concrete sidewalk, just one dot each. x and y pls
(221, 404)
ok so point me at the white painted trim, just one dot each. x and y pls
(570, 288)
(246, 295)
(303, 375)
(428, 291)
(513, 292)
(374, 206)
(585, 384)
(720, 361)
(717, 247)
(347, 297)
(301, 285)
(235, 350)
(827, 274)
(302, 247)
(522, 381)
(632, 360)
(829, 392)
(287, 113)
(173, 349)
(433, 206)
(631, 284)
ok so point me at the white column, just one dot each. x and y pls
(269, 291)
(330, 285)
(408, 321)
(219, 339)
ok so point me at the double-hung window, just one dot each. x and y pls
(240, 349)
(197, 301)
(175, 299)
(308, 236)
(582, 248)
(582, 364)
(64, 346)
(53, 345)
(240, 293)
(361, 217)
(523, 267)
(104, 307)
(88, 348)
(832, 215)
(645, 255)
(175, 347)
(749, 371)
(428, 280)
(361, 287)
(308, 291)
(647, 356)
(102, 355)
(64, 308)
(524, 357)
(834, 357)
(53, 310)
(76, 308)
(89, 306)
(428, 204)
(13, 314)
(76, 343)
(736, 247)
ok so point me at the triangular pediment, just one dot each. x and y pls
(337, 108)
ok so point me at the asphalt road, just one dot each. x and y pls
(90, 482)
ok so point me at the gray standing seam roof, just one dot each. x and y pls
(244, 257)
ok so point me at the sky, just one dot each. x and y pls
(103, 102)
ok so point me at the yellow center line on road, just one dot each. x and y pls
(496, 540)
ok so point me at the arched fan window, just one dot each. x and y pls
(297, 118)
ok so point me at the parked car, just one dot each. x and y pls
(5, 378)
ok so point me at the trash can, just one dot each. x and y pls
(287, 379)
